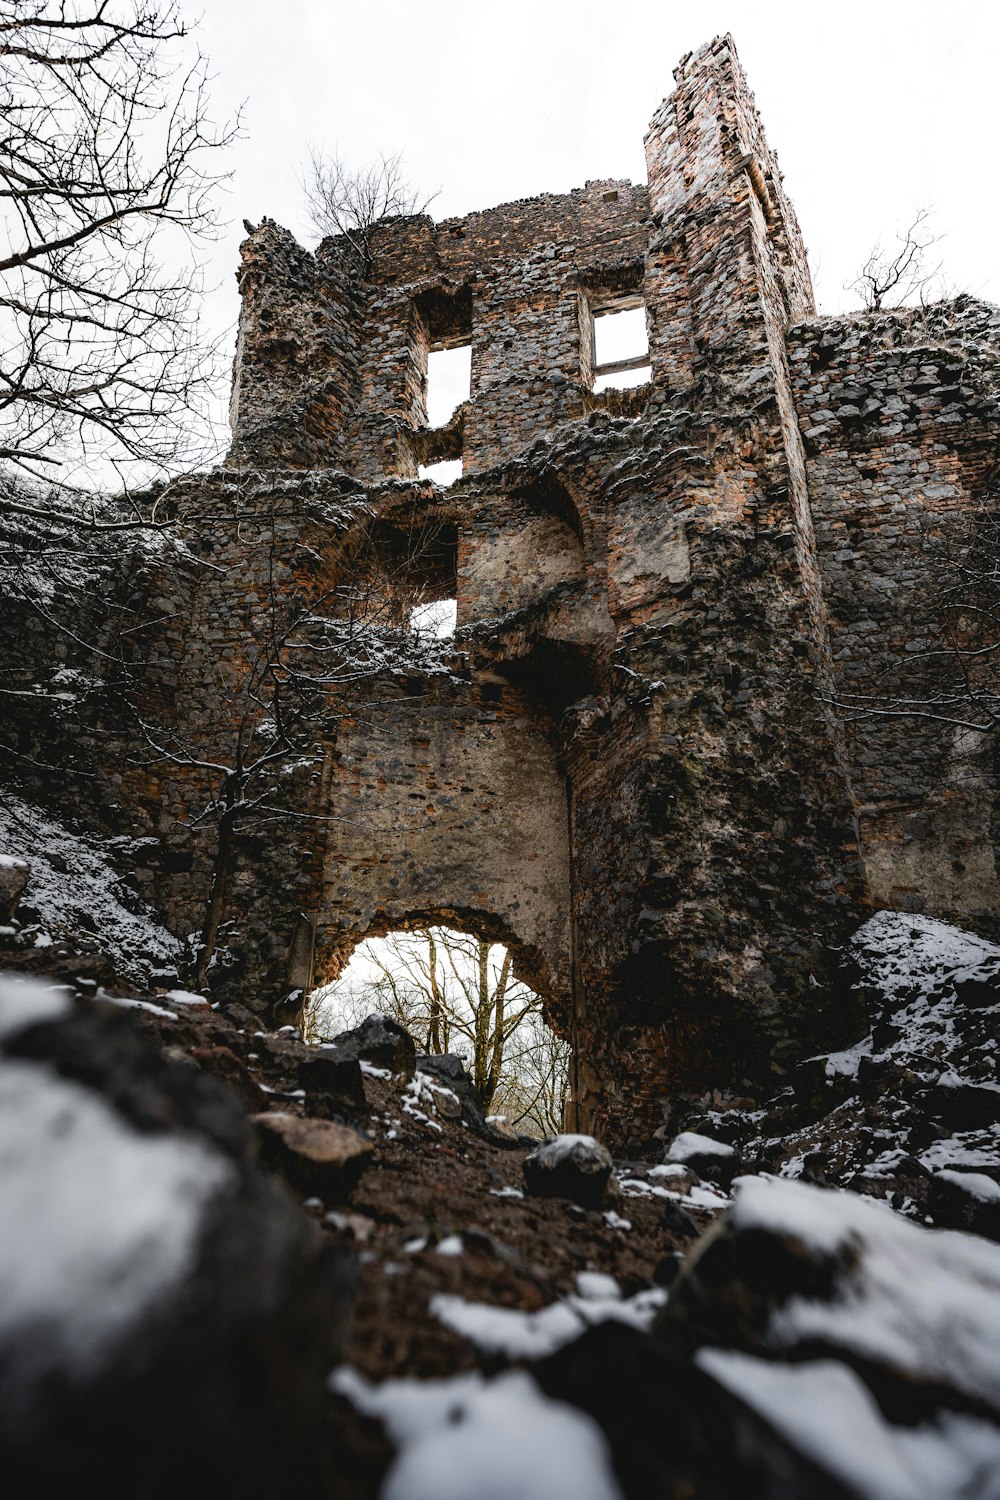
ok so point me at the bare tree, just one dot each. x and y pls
(890, 279)
(353, 204)
(107, 184)
(457, 992)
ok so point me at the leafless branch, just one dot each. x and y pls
(352, 204)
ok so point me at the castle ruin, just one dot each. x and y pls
(633, 764)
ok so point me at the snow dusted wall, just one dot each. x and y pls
(636, 761)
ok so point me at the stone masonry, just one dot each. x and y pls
(640, 762)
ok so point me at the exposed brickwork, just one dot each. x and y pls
(636, 765)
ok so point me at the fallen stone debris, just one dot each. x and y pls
(358, 1288)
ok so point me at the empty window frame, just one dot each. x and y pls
(449, 380)
(620, 343)
(434, 620)
(445, 472)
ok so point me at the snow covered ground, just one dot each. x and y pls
(75, 889)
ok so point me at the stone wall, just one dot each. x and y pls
(899, 416)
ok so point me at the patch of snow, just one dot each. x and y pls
(824, 1410)
(969, 1148)
(977, 1184)
(689, 1144)
(705, 1197)
(186, 997)
(450, 1245)
(123, 1003)
(669, 1169)
(845, 1064)
(595, 1284)
(372, 1071)
(28, 1002)
(927, 1303)
(100, 1220)
(558, 1146)
(457, 1439)
(506, 1192)
(533, 1335)
(615, 1221)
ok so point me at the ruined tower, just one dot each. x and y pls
(630, 764)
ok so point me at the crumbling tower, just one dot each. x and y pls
(630, 768)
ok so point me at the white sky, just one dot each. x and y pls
(874, 108)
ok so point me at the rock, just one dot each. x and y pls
(678, 1222)
(978, 991)
(825, 1314)
(713, 1161)
(449, 1069)
(316, 1156)
(168, 1315)
(965, 1200)
(14, 876)
(962, 1104)
(673, 1431)
(223, 1063)
(570, 1166)
(674, 1176)
(327, 1069)
(829, 1313)
(383, 1042)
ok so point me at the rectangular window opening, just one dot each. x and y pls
(449, 382)
(621, 345)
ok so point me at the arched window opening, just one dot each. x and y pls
(456, 992)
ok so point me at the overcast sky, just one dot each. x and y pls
(874, 108)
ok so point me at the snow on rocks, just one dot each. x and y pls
(383, 1043)
(104, 1220)
(150, 1273)
(73, 890)
(569, 1166)
(491, 1439)
(824, 1411)
(710, 1159)
(29, 1002)
(532, 1335)
(796, 1271)
(965, 1200)
(917, 1094)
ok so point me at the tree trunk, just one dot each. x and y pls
(434, 1033)
(219, 893)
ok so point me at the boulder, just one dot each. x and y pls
(570, 1166)
(315, 1156)
(327, 1070)
(14, 876)
(449, 1069)
(828, 1314)
(381, 1041)
(965, 1200)
(713, 1161)
(168, 1315)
